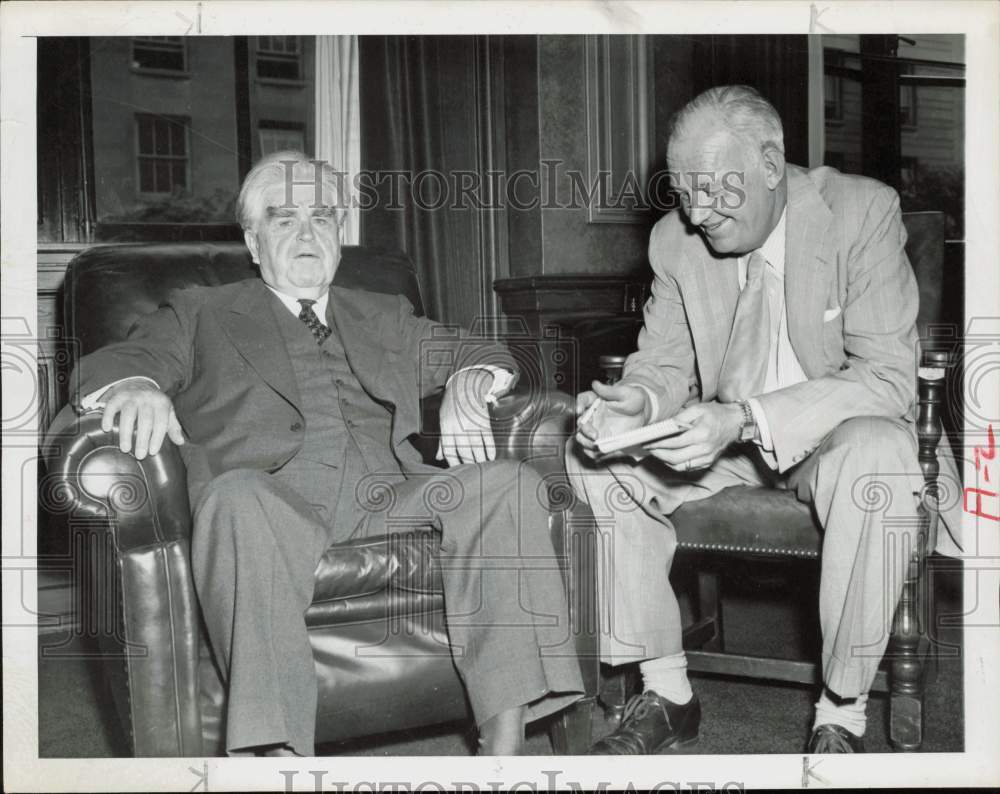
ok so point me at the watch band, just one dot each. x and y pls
(748, 430)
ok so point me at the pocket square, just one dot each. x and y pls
(831, 314)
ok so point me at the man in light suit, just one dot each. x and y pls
(781, 329)
(293, 401)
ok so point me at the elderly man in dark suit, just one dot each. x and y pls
(781, 330)
(292, 401)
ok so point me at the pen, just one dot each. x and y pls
(589, 413)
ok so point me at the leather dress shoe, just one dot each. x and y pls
(829, 738)
(652, 724)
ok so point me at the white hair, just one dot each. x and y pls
(274, 168)
(741, 110)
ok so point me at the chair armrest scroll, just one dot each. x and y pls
(535, 426)
(89, 476)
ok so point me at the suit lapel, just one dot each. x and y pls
(250, 325)
(710, 301)
(807, 265)
(362, 342)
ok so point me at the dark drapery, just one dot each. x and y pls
(777, 66)
(419, 107)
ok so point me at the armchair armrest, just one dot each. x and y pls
(535, 426)
(89, 476)
(131, 556)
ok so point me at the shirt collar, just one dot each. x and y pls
(773, 248)
(293, 305)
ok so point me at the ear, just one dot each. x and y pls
(774, 166)
(250, 238)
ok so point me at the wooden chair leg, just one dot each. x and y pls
(906, 682)
(570, 732)
(618, 684)
(705, 634)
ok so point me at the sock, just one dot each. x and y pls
(849, 714)
(667, 677)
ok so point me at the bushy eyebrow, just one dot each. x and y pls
(288, 212)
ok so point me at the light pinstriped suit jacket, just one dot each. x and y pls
(843, 250)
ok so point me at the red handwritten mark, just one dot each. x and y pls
(987, 453)
(978, 510)
(982, 453)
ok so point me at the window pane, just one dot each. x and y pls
(279, 68)
(151, 54)
(177, 146)
(162, 176)
(161, 140)
(145, 136)
(146, 184)
(180, 174)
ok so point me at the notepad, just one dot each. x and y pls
(631, 442)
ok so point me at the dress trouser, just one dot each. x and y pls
(861, 481)
(257, 541)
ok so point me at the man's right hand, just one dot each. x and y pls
(145, 416)
(619, 408)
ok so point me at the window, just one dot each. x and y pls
(278, 57)
(908, 172)
(162, 153)
(276, 136)
(833, 85)
(162, 53)
(907, 98)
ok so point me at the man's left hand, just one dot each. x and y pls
(714, 426)
(466, 432)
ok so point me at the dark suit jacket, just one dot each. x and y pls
(218, 353)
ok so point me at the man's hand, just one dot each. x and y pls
(144, 412)
(714, 426)
(466, 432)
(618, 408)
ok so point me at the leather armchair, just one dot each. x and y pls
(376, 622)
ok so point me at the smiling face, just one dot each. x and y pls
(732, 194)
(296, 244)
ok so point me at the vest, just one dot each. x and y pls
(347, 434)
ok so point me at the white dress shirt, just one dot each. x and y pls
(783, 367)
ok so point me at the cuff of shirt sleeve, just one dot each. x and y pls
(95, 399)
(763, 429)
(654, 403)
(502, 379)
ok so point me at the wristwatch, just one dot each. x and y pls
(748, 429)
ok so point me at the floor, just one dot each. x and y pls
(763, 612)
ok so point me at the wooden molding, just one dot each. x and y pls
(615, 138)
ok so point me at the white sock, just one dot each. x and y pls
(667, 677)
(849, 715)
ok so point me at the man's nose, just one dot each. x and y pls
(699, 215)
(306, 229)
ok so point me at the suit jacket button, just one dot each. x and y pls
(296, 427)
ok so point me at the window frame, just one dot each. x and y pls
(278, 56)
(185, 123)
(160, 43)
(279, 126)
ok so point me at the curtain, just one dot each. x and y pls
(419, 119)
(338, 118)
